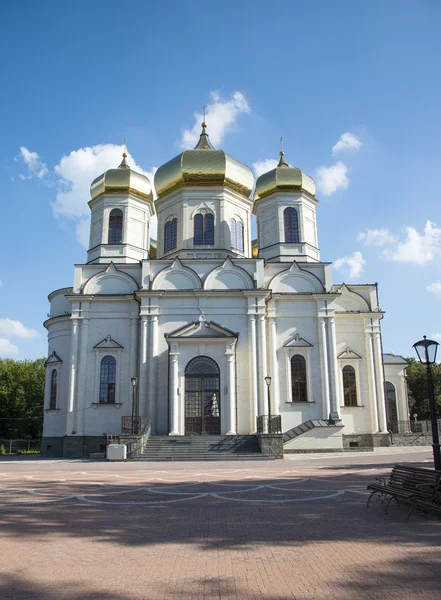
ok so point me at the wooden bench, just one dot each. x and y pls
(416, 486)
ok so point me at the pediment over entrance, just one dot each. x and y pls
(202, 329)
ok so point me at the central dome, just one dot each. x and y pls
(204, 166)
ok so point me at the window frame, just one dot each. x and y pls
(304, 351)
(171, 234)
(305, 382)
(237, 234)
(205, 229)
(293, 230)
(53, 398)
(113, 231)
(355, 389)
(108, 383)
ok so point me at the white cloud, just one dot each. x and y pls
(6, 348)
(354, 264)
(76, 171)
(221, 117)
(10, 328)
(376, 237)
(417, 248)
(436, 336)
(347, 141)
(435, 288)
(37, 167)
(265, 165)
(333, 178)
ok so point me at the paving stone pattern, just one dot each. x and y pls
(162, 531)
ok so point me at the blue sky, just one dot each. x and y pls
(80, 77)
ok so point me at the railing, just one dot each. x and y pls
(135, 442)
(269, 424)
(423, 427)
(132, 425)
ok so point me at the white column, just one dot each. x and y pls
(333, 367)
(153, 367)
(275, 400)
(380, 383)
(143, 366)
(263, 367)
(372, 382)
(174, 395)
(231, 429)
(71, 404)
(324, 368)
(253, 372)
(82, 376)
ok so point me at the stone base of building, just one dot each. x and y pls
(72, 446)
(411, 439)
(271, 444)
(366, 440)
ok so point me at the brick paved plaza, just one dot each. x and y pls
(296, 528)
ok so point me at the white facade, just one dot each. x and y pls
(250, 315)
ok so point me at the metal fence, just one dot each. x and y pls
(423, 427)
(14, 446)
(269, 424)
(133, 425)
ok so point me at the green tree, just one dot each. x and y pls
(417, 386)
(21, 398)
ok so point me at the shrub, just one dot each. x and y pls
(2, 450)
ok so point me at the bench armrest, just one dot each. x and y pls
(382, 480)
(436, 491)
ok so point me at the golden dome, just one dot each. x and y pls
(204, 166)
(122, 179)
(285, 179)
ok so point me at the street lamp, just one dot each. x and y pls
(426, 351)
(134, 381)
(268, 383)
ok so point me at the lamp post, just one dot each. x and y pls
(268, 383)
(134, 381)
(426, 351)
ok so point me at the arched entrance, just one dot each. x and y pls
(202, 397)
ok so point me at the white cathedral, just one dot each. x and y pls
(188, 333)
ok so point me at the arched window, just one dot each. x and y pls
(239, 236)
(233, 233)
(107, 380)
(115, 226)
(299, 385)
(203, 234)
(236, 229)
(349, 386)
(54, 387)
(291, 223)
(170, 235)
(391, 402)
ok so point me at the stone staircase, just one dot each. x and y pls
(304, 427)
(200, 447)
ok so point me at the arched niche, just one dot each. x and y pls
(228, 277)
(350, 301)
(110, 281)
(177, 277)
(296, 280)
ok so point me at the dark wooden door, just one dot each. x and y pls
(202, 401)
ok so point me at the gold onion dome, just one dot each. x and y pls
(204, 166)
(284, 179)
(122, 179)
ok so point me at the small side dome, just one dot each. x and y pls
(122, 179)
(204, 166)
(285, 179)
